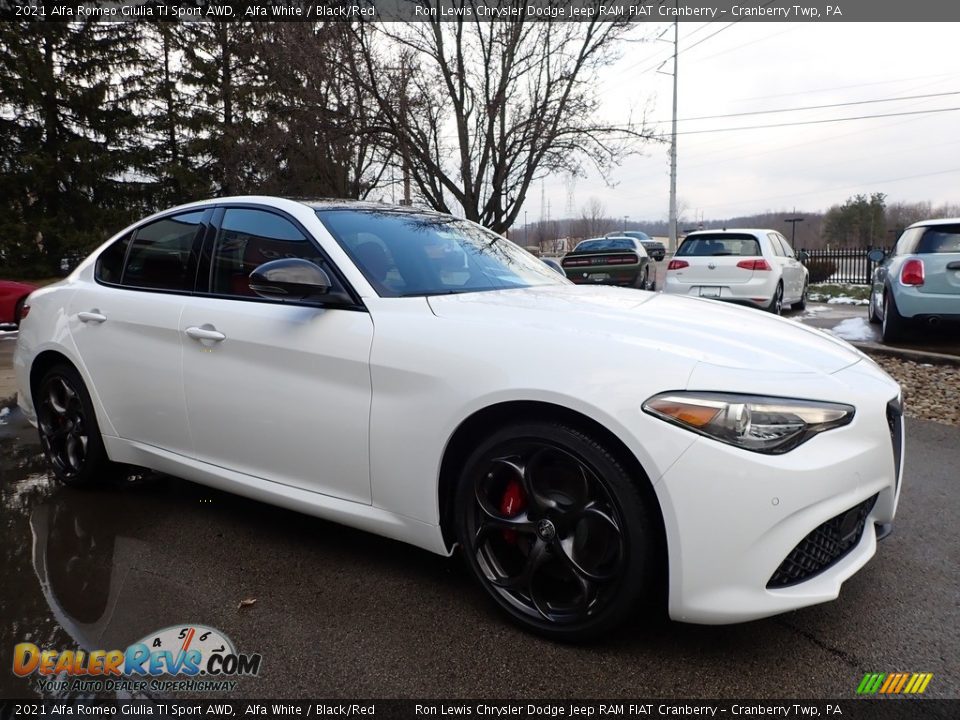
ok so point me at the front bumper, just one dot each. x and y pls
(749, 535)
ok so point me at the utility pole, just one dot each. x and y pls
(673, 141)
(793, 228)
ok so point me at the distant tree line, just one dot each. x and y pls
(861, 221)
(104, 122)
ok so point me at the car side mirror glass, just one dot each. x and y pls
(290, 279)
(876, 255)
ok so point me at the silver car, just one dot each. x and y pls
(918, 283)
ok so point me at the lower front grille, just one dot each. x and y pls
(823, 547)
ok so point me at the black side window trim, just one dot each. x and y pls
(202, 285)
(202, 230)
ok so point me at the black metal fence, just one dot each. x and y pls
(845, 265)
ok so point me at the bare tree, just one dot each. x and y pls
(478, 111)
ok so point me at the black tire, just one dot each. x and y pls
(18, 311)
(894, 326)
(643, 279)
(69, 433)
(573, 553)
(802, 303)
(776, 302)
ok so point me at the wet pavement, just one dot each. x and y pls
(340, 613)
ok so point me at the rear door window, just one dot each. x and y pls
(163, 253)
(109, 268)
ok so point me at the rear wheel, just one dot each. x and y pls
(894, 325)
(643, 281)
(69, 433)
(776, 303)
(555, 530)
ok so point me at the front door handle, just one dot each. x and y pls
(207, 332)
(94, 316)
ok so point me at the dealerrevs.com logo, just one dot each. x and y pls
(186, 658)
(894, 683)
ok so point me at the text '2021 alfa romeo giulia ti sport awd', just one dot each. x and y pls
(417, 376)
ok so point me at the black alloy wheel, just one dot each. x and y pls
(555, 530)
(69, 434)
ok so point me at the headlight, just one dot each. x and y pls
(769, 425)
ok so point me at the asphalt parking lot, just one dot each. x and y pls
(340, 613)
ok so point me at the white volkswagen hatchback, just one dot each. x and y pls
(757, 268)
(420, 377)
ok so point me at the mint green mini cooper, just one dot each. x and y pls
(918, 283)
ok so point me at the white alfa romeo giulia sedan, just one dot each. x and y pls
(419, 377)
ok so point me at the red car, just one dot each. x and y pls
(12, 296)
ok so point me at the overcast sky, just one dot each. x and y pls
(754, 66)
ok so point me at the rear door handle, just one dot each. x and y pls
(953, 266)
(94, 316)
(207, 332)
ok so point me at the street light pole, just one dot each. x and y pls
(625, 222)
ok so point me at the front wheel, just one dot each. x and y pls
(801, 304)
(69, 434)
(872, 316)
(555, 530)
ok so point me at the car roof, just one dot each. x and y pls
(939, 221)
(732, 231)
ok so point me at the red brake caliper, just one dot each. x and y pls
(512, 503)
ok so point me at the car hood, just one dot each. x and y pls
(702, 330)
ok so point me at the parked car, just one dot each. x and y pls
(918, 283)
(749, 267)
(610, 261)
(408, 373)
(554, 265)
(13, 295)
(655, 249)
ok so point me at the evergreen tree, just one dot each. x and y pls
(67, 137)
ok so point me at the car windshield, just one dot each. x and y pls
(940, 239)
(404, 253)
(714, 245)
(605, 245)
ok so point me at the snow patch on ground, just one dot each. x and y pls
(846, 300)
(3, 414)
(853, 329)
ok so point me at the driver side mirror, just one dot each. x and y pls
(803, 255)
(293, 279)
(876, 255)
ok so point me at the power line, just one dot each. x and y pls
(810, 107)
(817, 122)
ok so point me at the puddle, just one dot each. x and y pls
(76, 563)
